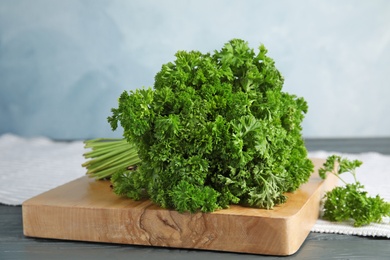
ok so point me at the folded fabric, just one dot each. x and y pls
(30, 166)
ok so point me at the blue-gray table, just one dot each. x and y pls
(14, 245)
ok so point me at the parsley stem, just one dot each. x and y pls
(108, 156)
(338, 176)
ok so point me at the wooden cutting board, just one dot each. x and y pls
(88, 210)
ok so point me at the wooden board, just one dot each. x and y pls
(88, 210)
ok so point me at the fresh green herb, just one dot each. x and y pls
(215, 130)
(351, 201)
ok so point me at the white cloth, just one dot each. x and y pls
(30, 166)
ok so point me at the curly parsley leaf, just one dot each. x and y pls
(351, 201)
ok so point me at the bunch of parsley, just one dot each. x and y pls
(351, 201)
(216, 129)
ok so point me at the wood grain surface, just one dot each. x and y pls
(88, 210)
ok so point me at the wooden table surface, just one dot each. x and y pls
(14, 245)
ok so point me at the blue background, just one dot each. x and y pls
(63, 64)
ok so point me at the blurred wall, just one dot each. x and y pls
(63, 64)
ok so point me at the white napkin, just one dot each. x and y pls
(30, 166)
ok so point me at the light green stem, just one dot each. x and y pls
(108, 156)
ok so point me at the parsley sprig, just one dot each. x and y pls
(351, 201)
